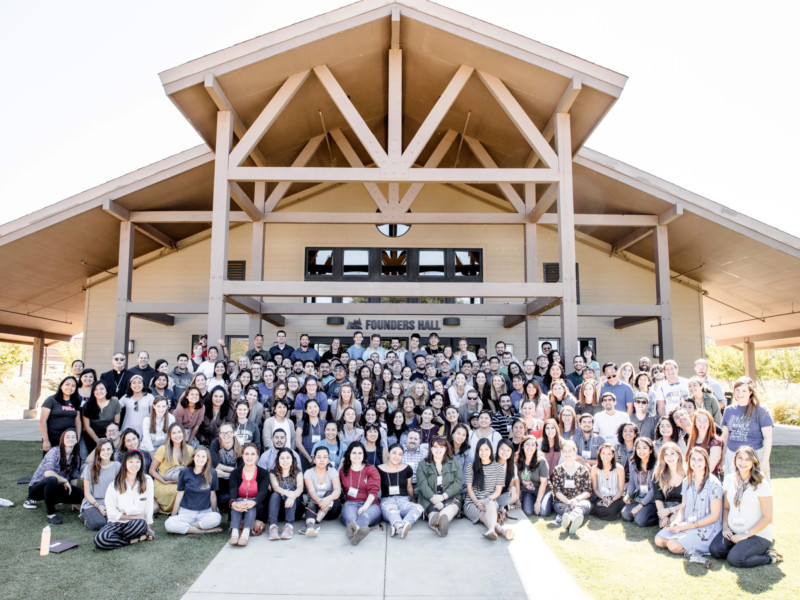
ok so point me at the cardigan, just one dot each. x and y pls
(262, 479)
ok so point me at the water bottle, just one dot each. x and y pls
(44, 546)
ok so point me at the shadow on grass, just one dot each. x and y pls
(784, 463)
(758, 579)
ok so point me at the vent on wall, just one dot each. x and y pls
(236, 269)
(552, 274)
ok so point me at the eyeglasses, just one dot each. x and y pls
(119, 359)
(226, 433)
(640, 401)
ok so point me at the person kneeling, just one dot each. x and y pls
(195, 509)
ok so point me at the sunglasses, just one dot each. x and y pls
(640, 401)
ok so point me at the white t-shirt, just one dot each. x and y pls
(673, 393)
(606, 425)
(748, 513)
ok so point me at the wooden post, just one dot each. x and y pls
(257, 258)
(663, 296)
(531, 323)
(37, 364)
(749, 349)
(219, 228)
(122, 321)
(566, 239)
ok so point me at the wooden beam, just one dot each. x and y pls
(749, 350)
(395, 218)
(669, 215)
(492, 309)
(564, 105)
(267, 117)
(219, 97)
(183, 216)
(487, 161)
(352, 158)
(257, 249)
(157, 236)
(253, 308)
(395, 39)
(220, 223)
(175, 308)
(117, 211)
(619, 310)
(532, 309)
(302, 159)
(435, 116)
(435, 158)
(244, 202)
(395, 117)
(520, 118)
(663, 292)
(625, 322)
(34, 333)
(124, 277)
(761, 337)
(359, 175)
(402, 289)
(37, 367)
(544, 203)
(160, 318)
(629, 240)
(351, 115)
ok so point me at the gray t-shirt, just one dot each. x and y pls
(325, 488)
(98, 490)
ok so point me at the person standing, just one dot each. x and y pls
(118, 378)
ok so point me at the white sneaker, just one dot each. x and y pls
(30, 504)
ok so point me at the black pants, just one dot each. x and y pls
(53, 492)
(751, 552)
(333, 513)
(607, 513)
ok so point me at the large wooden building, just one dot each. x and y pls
(396, 167)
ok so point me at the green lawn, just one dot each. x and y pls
(619, 560)
(163, 569)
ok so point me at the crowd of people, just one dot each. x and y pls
(365, 433)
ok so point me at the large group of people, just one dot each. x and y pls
(367, 433)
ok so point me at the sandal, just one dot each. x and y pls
(775, 556)
(150, 536)
(258, 529)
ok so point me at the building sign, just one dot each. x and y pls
(394, 324)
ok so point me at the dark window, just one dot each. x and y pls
(236, 270)
(393, 230)
(552, 274)
(394, 263)
(468, 263)
(431, 263)
(319, 262)
(355, 263)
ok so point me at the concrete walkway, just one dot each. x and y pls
(380, 567)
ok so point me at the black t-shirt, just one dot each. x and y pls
(62, 417)
(196, 492)
(399, 479)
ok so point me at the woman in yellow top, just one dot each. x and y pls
(167, 464)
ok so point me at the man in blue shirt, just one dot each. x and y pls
(304, 352)
(356, 351)
(281, 348)
(622, 391)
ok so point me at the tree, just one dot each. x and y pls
(11, 355)
(783, 364)
(724, 363)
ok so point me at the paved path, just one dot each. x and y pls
(329, 568)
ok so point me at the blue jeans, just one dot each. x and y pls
(751, 552)
(646, 517)
(370, 517)
(529, 499)
(400, 508)
(584, 507)
(278, 502)
(249, 517)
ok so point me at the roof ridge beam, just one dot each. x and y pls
(267, 117)
(435, 116)
(351, 115)
(355, 162)
(480, 152)
(219, 97)
(520, 118)
(433, 161)
(302, 159)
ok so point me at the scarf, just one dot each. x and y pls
(741, 486)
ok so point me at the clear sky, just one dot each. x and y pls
(709, 104)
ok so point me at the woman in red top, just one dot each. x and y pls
(361, 483)
(250, 484)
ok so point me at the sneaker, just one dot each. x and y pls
(313, 530)
(54, 520)
(304, 529)
(288, 532)
(29, 504)
(395, 529)
(352, 527)
(359, 535)
(557, 521)
(444, 526)
(273, 533)
(404, 529)
(490, 535)
(567, 521)
(234, 537)
(577, 521)
(244, 538)
(433, 519)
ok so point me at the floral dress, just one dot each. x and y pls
(697, 506)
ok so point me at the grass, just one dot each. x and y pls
(163, 569)
(617, 559)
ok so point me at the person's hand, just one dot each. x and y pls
(663, 513)
(289, 502)
(361, 510)
(572, 503)
(626, 499)
(102, 510)
(663, 522)
(436, 499)
(517, 504)
(221, 342)
(248, 504)
(738, 538)
(439, 505)
(636, 510)
(765, 468)
(727, 533)
(324, 505)
(46, 446)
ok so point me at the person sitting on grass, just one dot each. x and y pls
(56, 479)
(608, 484)
(572, 488)
(97, 477)
(169, 460)
(195, 509)
(746, 533)
(639, 505)
(129, 504)
(534, 477)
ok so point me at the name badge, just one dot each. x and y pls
(315, 438)
(439, 480)
(352, 492)
(569, 484)
(587, 454)
(643, 490)
(692, 519)
(394, 490)
(605, 492)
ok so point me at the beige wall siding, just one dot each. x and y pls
(183, 276)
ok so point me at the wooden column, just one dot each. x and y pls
(663, 295)
(256, 271)
(566, 238)
(37, 366)
(219, 228)
(531, 323)
(122, 320)
(749, 349)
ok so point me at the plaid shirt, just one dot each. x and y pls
(412, 459)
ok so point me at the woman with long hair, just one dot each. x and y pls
(86, 380)
(481, 384)
(56, 478)
(168, 462)
(129, 505)
(667, 479)
(704, 398)
(556, 372)
(747, 423)
(699, 514)
(459, 442)
(286, 481)
(551, 444)
(375, 445)
(279, 420)
(394, 397)
(534, 477)
(485, 481)
(136, 403)
(220, 378)
(626, 373)
(216, 412)
(572, 489)
(627, 433)
(510, 496)
(332, 442)
(255, 412)
(704, 436)
(667, 432)
(310, 391)
(324, 490)
(160, 387)
(189, 414)
(639, 506)
(397, 429)
(361, 484)
(418, 392)
(568, 423)
(60, 412)
(560, 396)
(398, 505)
(589, 398)
(746, 534)
(195, 509)
(249, 485)
(96, 479)
(441, 482)
(309, 431)
(155, 425)
(498, 388)
(608, 484)
(451, 418)
(98, 412)
(347, 399)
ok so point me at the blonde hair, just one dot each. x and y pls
(756, 474)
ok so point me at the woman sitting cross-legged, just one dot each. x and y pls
(608, 484)
(168, 462)
(195, 509)
(287, 487)
(129, 505)
(249, 486)
(324, 489)
(534, 476)
(640, 506)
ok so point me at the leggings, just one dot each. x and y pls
(751, 552)
(93, 518)
(646, 517)
(53, 492)
(608, 513)
(117, 535)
